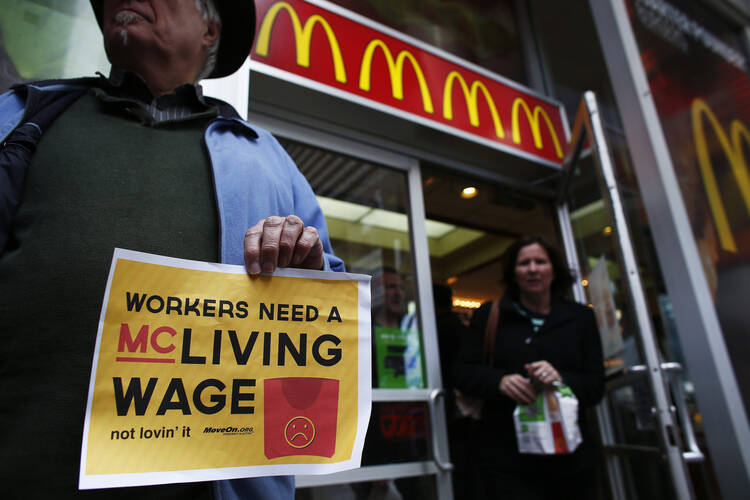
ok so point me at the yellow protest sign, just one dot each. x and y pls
(201, 372)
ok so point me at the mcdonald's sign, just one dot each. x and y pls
(323, 46)
(731, 146)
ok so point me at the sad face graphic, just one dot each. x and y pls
(299, 432)
(300, 416)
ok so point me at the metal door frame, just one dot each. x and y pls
(439, 466)
(588, 124)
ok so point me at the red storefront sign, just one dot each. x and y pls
(330, 49)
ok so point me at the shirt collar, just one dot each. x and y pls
(126, 83)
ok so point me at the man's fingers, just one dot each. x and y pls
(292, 230)
(253, 238)
(308, 252)
(281, 242)
(269, 245)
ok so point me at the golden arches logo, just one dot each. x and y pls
(303, 33)
(533, 119)
(302, 37)
(471, 101)
(396, 70)
(302, 428)
(735, 155)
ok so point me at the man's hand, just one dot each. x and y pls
(282, 242)
(517, 388)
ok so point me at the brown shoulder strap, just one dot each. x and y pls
(490, 333)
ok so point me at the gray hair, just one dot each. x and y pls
(207, 9)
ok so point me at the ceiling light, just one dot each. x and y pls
(451, 280)
(343, 210)
(386, 219)
(607, 230)
(437, 229)
(467, 303)
(469, 192)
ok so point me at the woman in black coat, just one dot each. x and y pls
(541, 339)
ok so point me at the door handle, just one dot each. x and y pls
(436, 452)
(673, 371)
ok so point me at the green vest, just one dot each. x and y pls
(102, 177)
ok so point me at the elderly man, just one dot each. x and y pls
(139, 160)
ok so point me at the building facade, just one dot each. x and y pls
(435, 133)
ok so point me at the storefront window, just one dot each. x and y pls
(480, 31)
(48, 39)
(698, 75)
(366, 212)
(565, 52)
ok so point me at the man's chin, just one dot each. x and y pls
(124, 41)
(121, 34)
(123, 50)
(118, 36)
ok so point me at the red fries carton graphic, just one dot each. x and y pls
(300, 416)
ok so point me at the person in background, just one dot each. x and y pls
(397, 430)
(462, 429)
(139, 160)
(389, 297)
(541, 339)
(450, 329)
(397, 360)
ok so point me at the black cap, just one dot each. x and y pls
(237, 33)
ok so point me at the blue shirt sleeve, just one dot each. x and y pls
(260, 488)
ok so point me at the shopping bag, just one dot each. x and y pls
(548, 426)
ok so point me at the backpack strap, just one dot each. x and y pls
(490, 333)
(46, 100)
(43, 102)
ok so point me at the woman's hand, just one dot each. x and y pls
(518, 388)
(543, 372)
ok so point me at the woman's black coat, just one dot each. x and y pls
(568, 340)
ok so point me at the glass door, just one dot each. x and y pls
(644, 421)
(372, 201)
